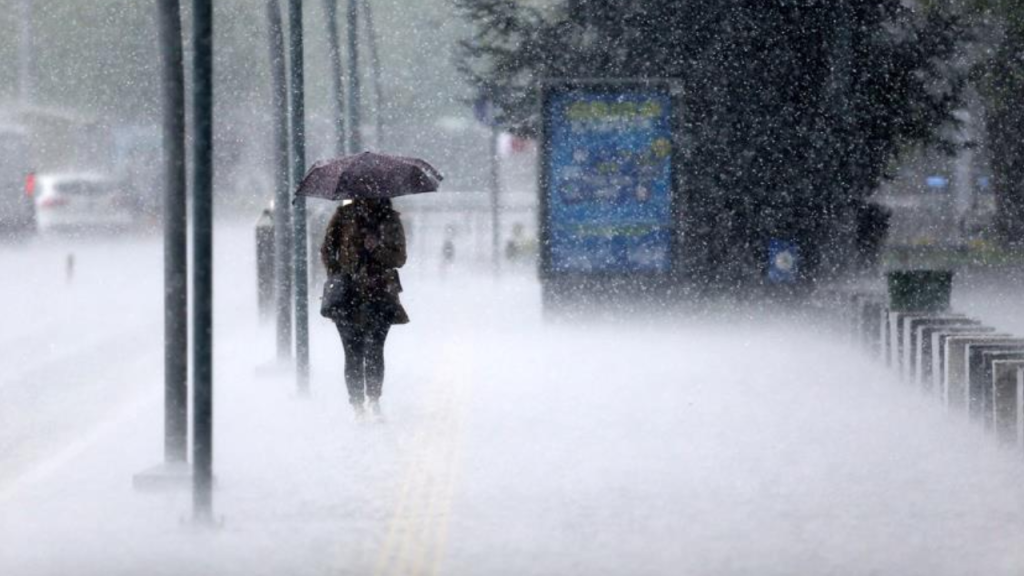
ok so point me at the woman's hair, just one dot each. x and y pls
(372, 203)
(372, 207)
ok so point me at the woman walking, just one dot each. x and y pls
(363, 248)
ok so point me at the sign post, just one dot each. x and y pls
(486, 114)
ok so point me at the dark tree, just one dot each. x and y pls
(793, 110)
(1002, 88)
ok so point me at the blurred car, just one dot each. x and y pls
(17, 213)
(80, 202)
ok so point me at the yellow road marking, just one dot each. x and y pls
(393, 528)
(418, 530)
(442, 535)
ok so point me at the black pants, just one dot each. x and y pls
(364, 360)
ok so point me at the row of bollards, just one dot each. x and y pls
(970, 369)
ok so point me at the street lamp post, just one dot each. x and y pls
(174, 472)
(202, 289)
(355, 143)
(175, 235)
(282, 205)
(337, 81)
(298, 122)
(375, 66)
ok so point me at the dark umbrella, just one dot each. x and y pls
(369, 175)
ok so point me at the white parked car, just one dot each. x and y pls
(81, 201)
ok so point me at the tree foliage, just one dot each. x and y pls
(1000, 79)
(793, 110)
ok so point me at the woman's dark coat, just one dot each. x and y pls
(372, 273)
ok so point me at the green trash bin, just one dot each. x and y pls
(920, 290)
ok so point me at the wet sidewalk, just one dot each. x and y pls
(514, 446)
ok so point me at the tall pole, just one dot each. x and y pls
(175, 235)
(202, 240)
(355, 143)
(26, 54)
(375, 65)
(495, 185)
(337, 80)
(282, 203)
(298, 121)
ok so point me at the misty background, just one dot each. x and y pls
(100, 66)
(683, 435)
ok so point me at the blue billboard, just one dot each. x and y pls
(608, 191)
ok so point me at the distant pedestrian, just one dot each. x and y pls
(363, 248)
(448, 249)
(514, 246)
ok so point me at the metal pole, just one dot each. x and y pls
(337, 80)
(26, 54)
(495, 185)
(175, 235)
(298, 118)
(202, 215)
(375, 65)
(282, 202)
(355, 143)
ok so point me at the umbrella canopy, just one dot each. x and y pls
(369, 175)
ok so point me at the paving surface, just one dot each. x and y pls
(690, 444)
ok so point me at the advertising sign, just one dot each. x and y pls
(607, 182)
